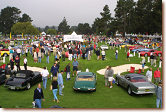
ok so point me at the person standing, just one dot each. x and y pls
(12, 63)
(60, 83)
(79, 53)
(39, 56)
(89, 54)
(47, 56)
(25, 63)
(63, 55)
(154, 60)
(83, 52)
(18, 52)
(68, 72)
(116, 54)
(35, 56)
(106, 76)
(54, 88)
(149, 75)
(98, 53)
(17, 61)
(159, 95)
(38, 95)
(128, 54)
(157, 76)
(44, 74)
(26, 51)
(75, 53)
(70, 54)
(143, 63)
(110, 75)
(103, 54)
(75, 66)
(151, 59)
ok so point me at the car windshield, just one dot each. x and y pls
(85, 78)
(20, 75)
(138, 79)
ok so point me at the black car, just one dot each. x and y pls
(2, 76)
(23, 79)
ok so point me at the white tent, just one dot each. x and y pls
(73, 37)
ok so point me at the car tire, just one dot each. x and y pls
(146, 55)
(129, 91)
(28, 86)
(117, 82)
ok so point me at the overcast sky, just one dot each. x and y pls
(51, 12)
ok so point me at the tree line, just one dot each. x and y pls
(143, 16)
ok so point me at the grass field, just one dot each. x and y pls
(104, 97)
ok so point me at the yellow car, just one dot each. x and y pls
(126, 45)
(4, 52)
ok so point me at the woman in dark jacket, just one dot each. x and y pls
(68, 72)
(54, 88)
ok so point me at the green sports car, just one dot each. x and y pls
(85, 81)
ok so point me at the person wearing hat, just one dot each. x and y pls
(60, 82)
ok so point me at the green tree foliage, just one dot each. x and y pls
(51, 32)
(63, 27)
(25, 28)
(8, 17)
(84, 28)
(25, 18)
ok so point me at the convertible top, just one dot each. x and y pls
(134, 75)
(27, 72)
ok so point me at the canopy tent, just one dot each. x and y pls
(73, 37)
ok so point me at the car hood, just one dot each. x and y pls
(144, 85)
(15, 81)
(84, 84)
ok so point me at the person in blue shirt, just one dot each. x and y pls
(60, 82)
(54, 70)
(159, 95)
(75, 66)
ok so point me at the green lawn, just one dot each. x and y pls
(104, 97)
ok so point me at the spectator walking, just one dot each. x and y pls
(47, 56)
(75, 53)
(26, 51)
(116, 54)
(45, 75)
(151, 59)
(98, 53)
(25, 63)
(149, 75)
(103, 54)
(106, 76)
(157, 76)
(70, 54)
(39, 56)
(12, 63)
(35, 56)
(54, 88)
(60, 83)
(143, 63)
(75, 66)
(89, 54)
(54, 70)
(38, 95)
(128, 55)
(159, 95)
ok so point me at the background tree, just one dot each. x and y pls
(8, 17)
(25, 28)
(51, 32)
(63, 27)
(25, 18)
(84, 28)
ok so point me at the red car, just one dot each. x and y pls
(136, 47)
(143, 53)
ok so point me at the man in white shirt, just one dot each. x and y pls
(25, 63)
(18, 52)
(103, 54)
(44, 74)
(149, 75)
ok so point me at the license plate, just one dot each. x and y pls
(147, 90)
(12, 87)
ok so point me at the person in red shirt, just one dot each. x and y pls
(128, 54)
(157, 76)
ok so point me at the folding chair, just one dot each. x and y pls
(139, 71)
(132, 69)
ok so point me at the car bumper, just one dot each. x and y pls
(143, 92)
(84, 89)
(14, 87)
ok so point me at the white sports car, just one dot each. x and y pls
(104, 47)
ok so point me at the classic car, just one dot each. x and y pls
(85, 81)
(4, 52)
(135, 83)
(23, 79)
(2, 76)
(104, 47)
(148, 53)
(128, 45)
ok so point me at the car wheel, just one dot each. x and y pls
(146, 55)
(159, 54)
(117, 82)
(129, 91)
(28, 86)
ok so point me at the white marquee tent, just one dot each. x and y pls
(73, 37)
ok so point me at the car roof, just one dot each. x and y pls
(85, 73)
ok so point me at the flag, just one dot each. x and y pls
(22, 35)
(10, 35)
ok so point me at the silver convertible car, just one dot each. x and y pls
(135, 83)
